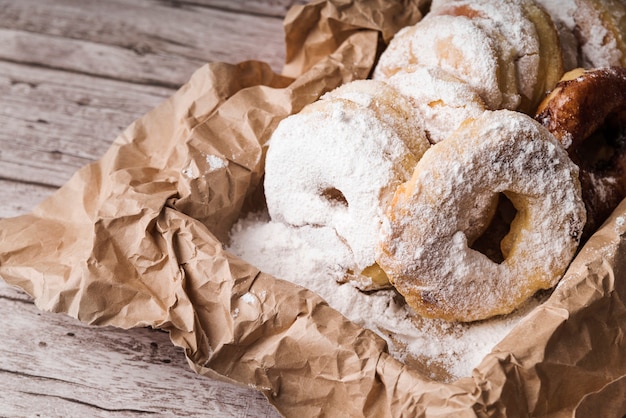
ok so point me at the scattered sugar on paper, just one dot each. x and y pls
(189, 172)
(215, 162)
(315, 258)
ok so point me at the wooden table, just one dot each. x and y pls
(73, 75)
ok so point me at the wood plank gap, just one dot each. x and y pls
(52, 187)
(250, 12)
(16, 299)
(227, 10)
(151, 83)
(40, 378)
(98, 407)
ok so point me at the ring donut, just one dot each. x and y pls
(595, 30)
(442, 100)
(586, 112)
(527, 44)
(424, 249)
(390, 106)
(337, 163)
(457, 46)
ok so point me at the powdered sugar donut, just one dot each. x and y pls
(390, 107)
(442, 100)
(450, 102)
(524, 37)
(561, 14)
(597, 27)
(551, 53)
(454, 44)
(513, 36)
(424, 249)
(336, 164)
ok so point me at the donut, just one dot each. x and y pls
(442, 100)
(390, 106)
(596, 27)
(336, 164)
(586, 112)
(424, 249)
(551, 54)
(456, 45)
(527, 43)
(561, 12)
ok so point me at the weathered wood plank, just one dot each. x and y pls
(85, 57)
(55, 122)
(73, 75)
(143, 41)
(276, 8)
(19, 198)
(53, 360)
(45, 112)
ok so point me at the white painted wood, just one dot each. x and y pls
(143, 41)
(54, 122)
(17, 198)
(52, 365)
(73, 75)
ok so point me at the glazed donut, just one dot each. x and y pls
(337, 163)
(527, 42)
(596, 27)
(586, 112)
(424, 249)
(442, 100)
(457, 46)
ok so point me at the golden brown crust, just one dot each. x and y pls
(425, 248)
(586, 112)
(551, 65)
(529, 51)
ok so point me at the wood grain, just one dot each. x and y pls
(145, 41)
(61, 121)
(73, 75)
(89, 371)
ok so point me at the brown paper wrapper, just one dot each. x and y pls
(137, 239)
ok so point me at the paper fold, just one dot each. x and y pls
(137, 239)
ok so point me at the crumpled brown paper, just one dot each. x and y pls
(136, 239)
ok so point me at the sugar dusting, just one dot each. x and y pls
(449, 43)
(315, 258)
(425, 249)
(335, 146)
(442, 100)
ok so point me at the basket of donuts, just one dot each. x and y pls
(421, 216)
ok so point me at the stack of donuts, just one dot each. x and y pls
(458, 173)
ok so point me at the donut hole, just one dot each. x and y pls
(334, 196)
(489, 242)
(601, 150)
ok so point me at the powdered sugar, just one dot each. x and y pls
(515, 39)
(195, 169)
(442, 100)
(390, 107)
(454, 44)
(315, 258)
(215, 163)
(590, 23)
(336, 164)
(502, 151)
